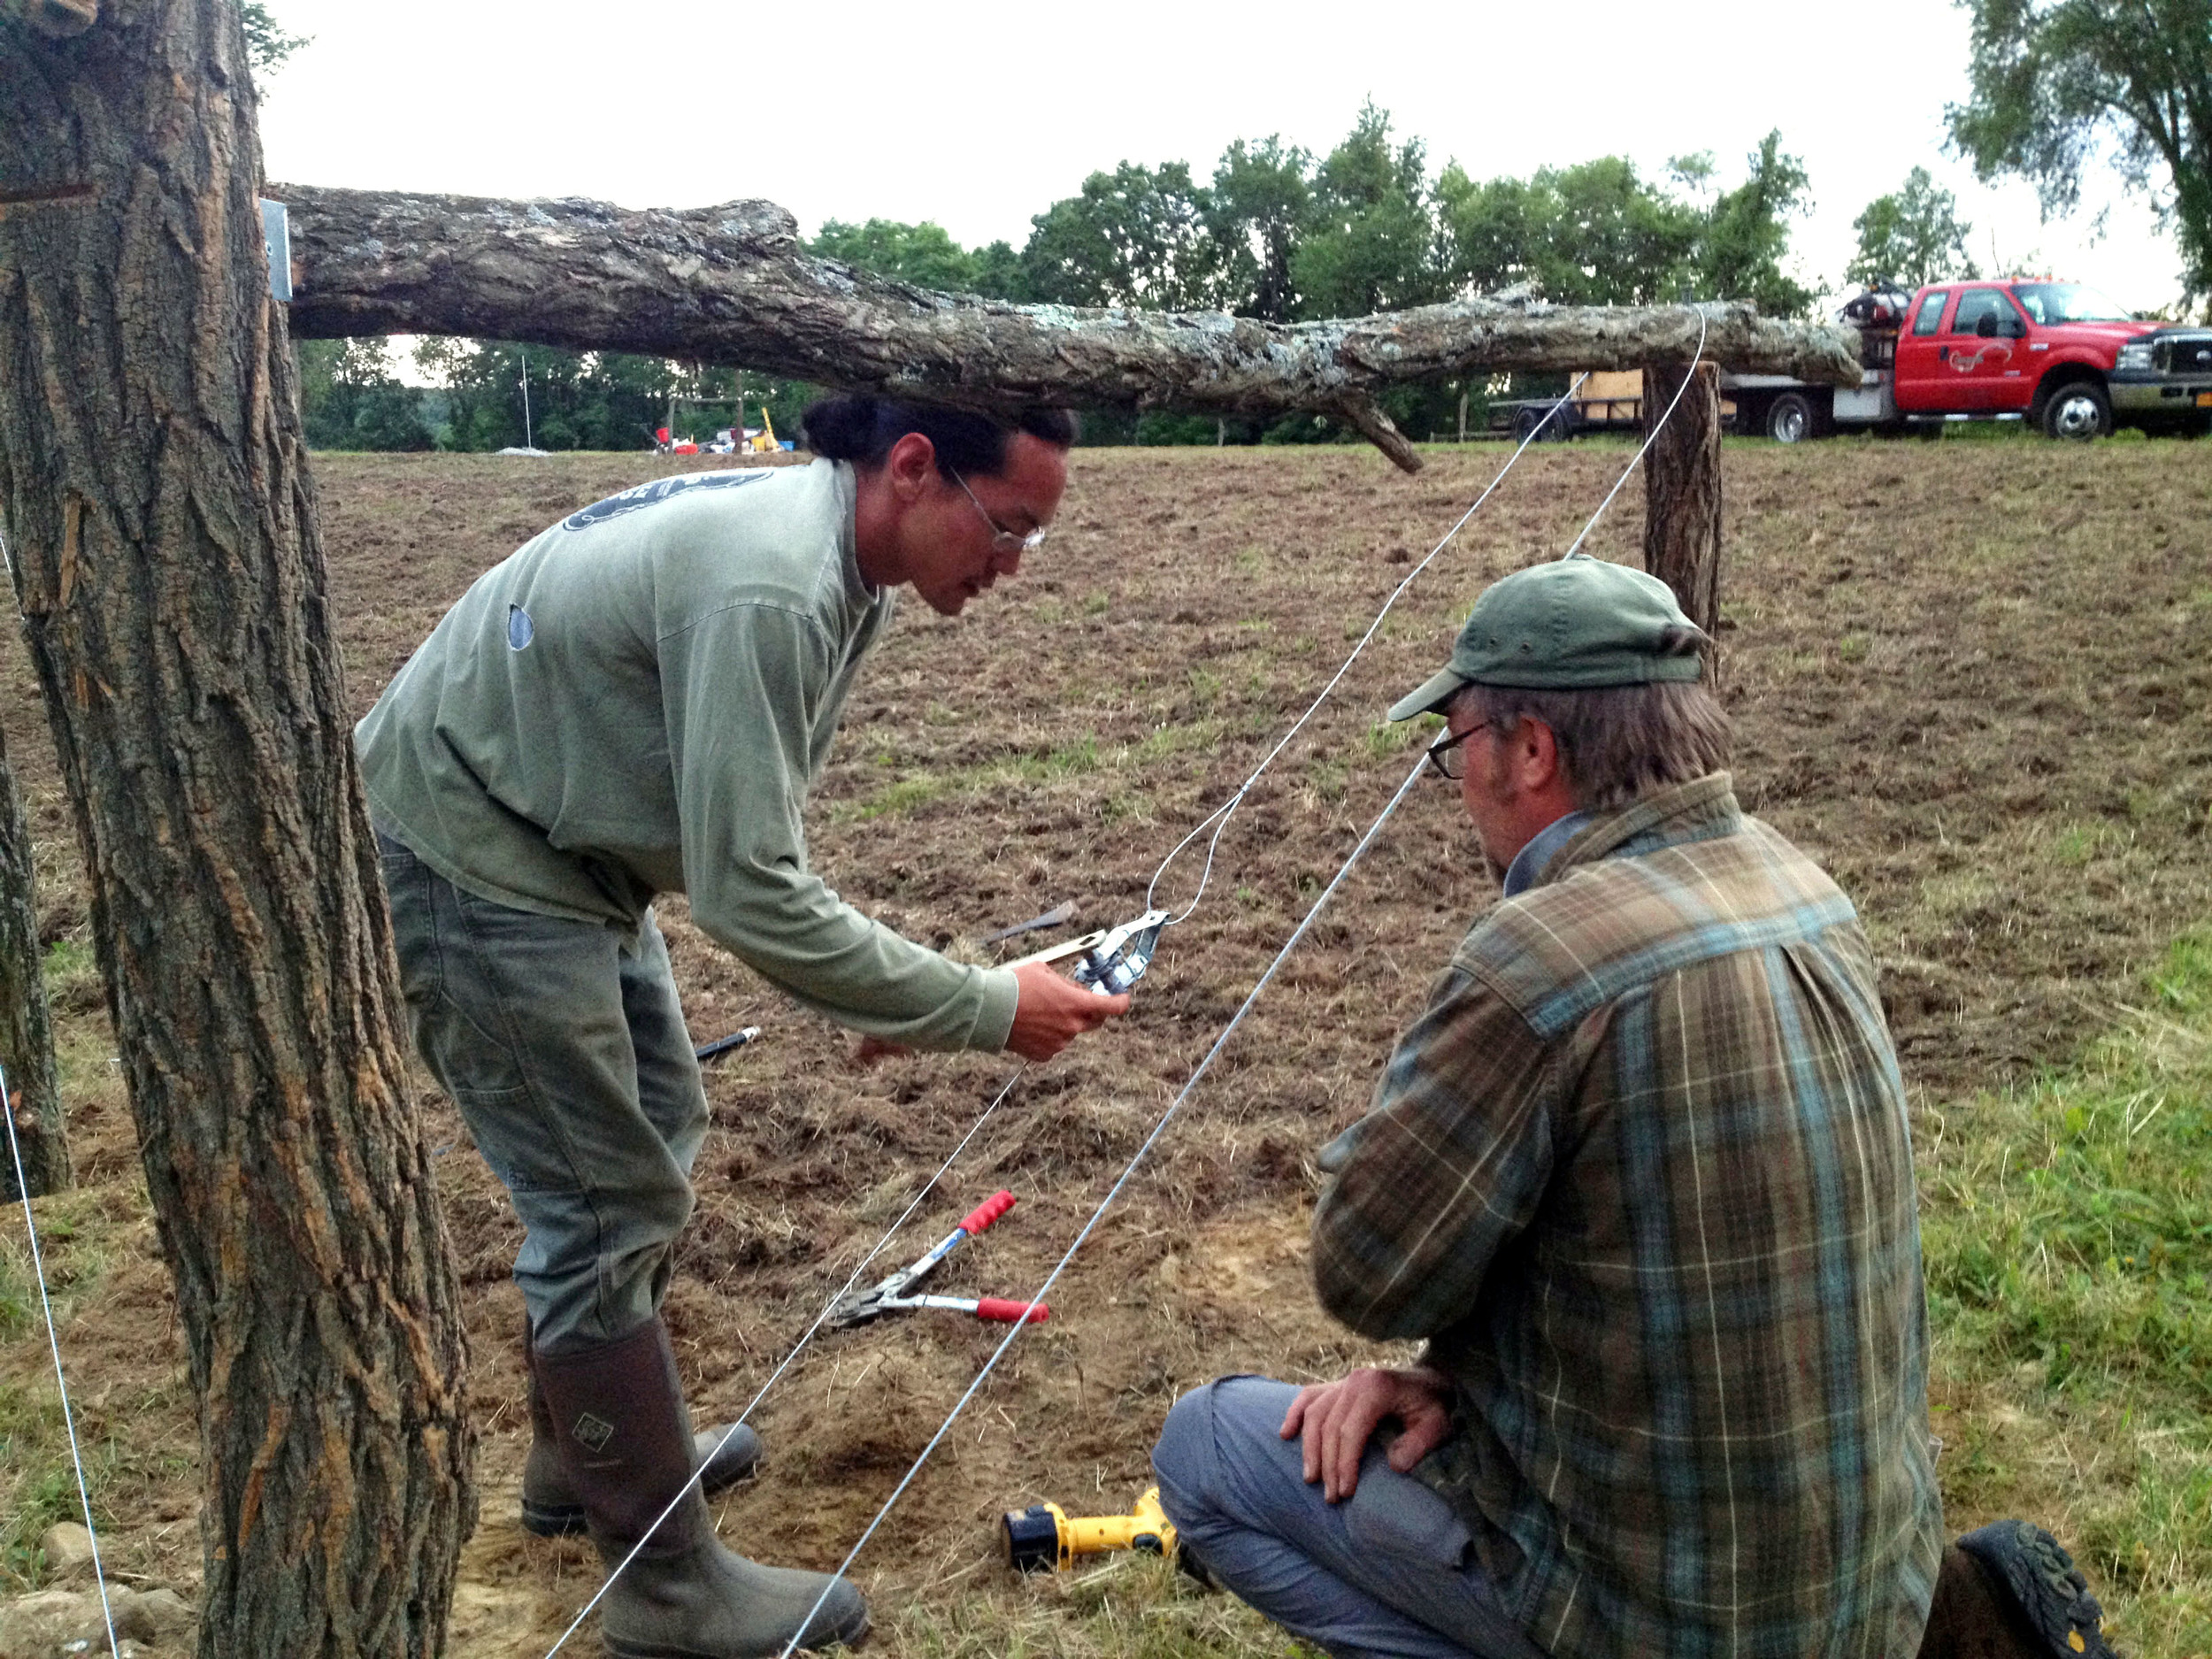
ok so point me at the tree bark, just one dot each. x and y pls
(27, 1033)
(730, 284)
(1682, 497)
(158, 503)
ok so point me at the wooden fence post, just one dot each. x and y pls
(1682, 498)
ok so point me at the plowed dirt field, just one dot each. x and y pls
(1974, 678)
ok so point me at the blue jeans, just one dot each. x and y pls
(1387, 1572)
(566, 1054)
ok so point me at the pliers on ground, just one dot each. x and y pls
(890, 1295)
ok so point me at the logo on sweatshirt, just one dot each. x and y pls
(520, 629)
(659, 490)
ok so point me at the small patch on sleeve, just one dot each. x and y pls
(520, 630)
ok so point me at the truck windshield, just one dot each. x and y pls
(2069, 302)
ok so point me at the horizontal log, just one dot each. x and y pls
(732, 285)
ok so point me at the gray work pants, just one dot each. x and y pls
(1387, 1572)
(567, 1057)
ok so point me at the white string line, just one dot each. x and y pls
(1413, 777)
(684, 1490)
(53, 1342)
(1219, 816)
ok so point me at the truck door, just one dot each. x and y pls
(1917, 365)
(1981, 349)
(1984, 349)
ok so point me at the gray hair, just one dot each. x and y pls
(1617, 743)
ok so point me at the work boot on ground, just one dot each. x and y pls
(710, 1601)
(549, 1508)
(2008, 1590)
(625, 1441)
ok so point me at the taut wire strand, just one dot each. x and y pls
(1220, 815)
(759, 1395)
(53, 1342)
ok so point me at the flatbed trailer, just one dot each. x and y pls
(1607, 400)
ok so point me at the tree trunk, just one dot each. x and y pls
(26, 1035)
(158, 503)
(730, 284)
(1682, 495)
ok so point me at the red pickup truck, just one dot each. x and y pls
(2015, 350)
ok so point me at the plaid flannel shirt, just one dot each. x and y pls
(1640, 1173)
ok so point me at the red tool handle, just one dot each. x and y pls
(1007, 1312)
(989, 1210)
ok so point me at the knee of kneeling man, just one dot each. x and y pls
(1184, 1453)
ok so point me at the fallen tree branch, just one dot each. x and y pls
(732, 285)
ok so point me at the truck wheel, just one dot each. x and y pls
(1789, 419)
(2079, 410)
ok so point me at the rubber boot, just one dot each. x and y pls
(626, 1441)
(2012, 1592)
(549, 1508)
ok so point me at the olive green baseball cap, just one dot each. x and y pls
(1567, 625)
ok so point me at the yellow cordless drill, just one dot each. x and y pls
(1045, 1538)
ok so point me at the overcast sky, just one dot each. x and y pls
(979, 116)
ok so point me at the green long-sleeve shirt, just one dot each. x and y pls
(636, 702)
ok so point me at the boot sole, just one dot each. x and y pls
(2031, 1573)
(857, 1638)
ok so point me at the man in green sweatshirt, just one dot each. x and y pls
(634, 702)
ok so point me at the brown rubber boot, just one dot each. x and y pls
(727, 1452)
(626, 1443)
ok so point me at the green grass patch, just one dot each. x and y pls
(72, 973)
(2075, 844)
(1078, 759)
(1387, 739)
(2068, 1230)
(39, 1487)
(19, 1292)
(1175, 739)
(78, 1247)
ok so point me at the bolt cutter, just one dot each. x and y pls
(890, 1295)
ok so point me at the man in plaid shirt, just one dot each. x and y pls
(1639, 1175)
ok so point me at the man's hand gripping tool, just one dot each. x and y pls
(1113, 959)
(890, 1296)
